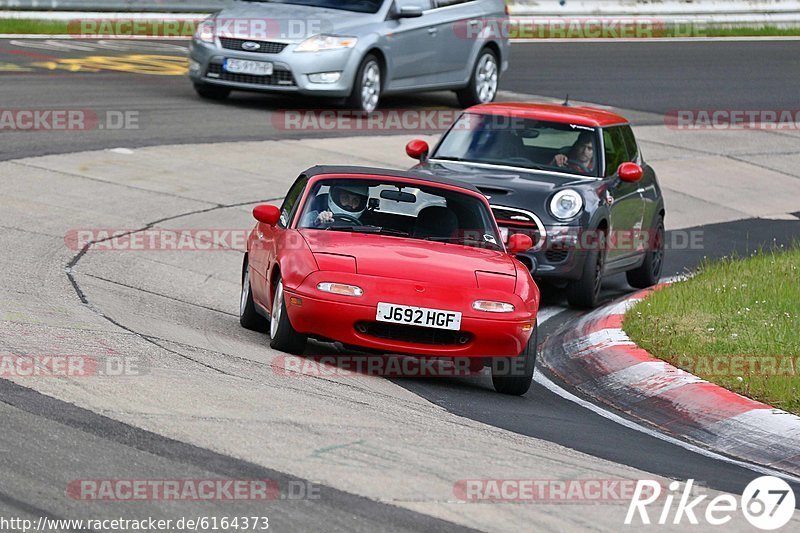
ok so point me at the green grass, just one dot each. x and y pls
(89, 28)
(736, 323)
(53, 27)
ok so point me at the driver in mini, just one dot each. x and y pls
(348, 201)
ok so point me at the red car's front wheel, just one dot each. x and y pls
(513, 375)
(284, 337)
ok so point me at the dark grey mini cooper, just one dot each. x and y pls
(572, 178)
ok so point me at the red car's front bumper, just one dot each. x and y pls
(337, 317)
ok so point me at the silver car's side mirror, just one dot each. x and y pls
(409, 12)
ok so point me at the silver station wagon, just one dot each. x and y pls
(353, 49)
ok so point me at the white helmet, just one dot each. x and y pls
(337, 208)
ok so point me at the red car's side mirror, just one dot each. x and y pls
(268, 214)
(417, 149)
(630, 172)
(518, 243)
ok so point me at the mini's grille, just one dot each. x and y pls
(556, 255)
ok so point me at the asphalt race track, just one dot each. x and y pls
(354, 432)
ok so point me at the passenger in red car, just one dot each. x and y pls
(580, 157)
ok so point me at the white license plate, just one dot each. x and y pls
(418, 316)
(244, 66)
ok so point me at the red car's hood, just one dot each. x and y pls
(394, 257)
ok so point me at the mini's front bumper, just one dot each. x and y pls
(352, 320)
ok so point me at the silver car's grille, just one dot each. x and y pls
(265, 47)
(280, 78)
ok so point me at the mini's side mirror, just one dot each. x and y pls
(630, 172)
(518, 243)
(417, 149)
(409, 12)
(267, 214)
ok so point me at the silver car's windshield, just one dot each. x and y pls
(521, 142)
(399, 209)
(359, 6)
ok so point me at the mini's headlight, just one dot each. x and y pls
(205, 31)
(318, 43)
(340, 288)
(492, 307)
(566, 204)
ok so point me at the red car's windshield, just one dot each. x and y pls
(521, 142)
(401, 210)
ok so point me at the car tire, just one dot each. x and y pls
(211, 92)
(367, 86)
(283, 336)
(649, 272)
(483, 82)
(504, 377)
(585, 292)
(248, 316)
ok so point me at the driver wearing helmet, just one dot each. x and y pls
(346, 201)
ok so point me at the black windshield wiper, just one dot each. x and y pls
(369, 229)
(462, 240)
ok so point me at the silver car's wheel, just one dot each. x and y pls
(486, 78)
(482, 86)
(368, 85)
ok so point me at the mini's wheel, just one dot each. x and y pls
(649, 272)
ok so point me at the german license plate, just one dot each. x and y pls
(244, 66)
(418, 316)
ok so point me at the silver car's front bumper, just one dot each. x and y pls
(290, 69)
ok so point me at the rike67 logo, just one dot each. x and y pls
(767, 503)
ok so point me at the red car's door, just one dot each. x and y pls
(267, 238)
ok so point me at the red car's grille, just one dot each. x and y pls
(413, 334)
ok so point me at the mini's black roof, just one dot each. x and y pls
(417, 175)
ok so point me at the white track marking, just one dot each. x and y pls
(555, 389)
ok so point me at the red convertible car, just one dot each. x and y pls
(391, 262)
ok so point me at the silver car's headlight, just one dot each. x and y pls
(319, 43)
(566, 204)
(205, 31)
